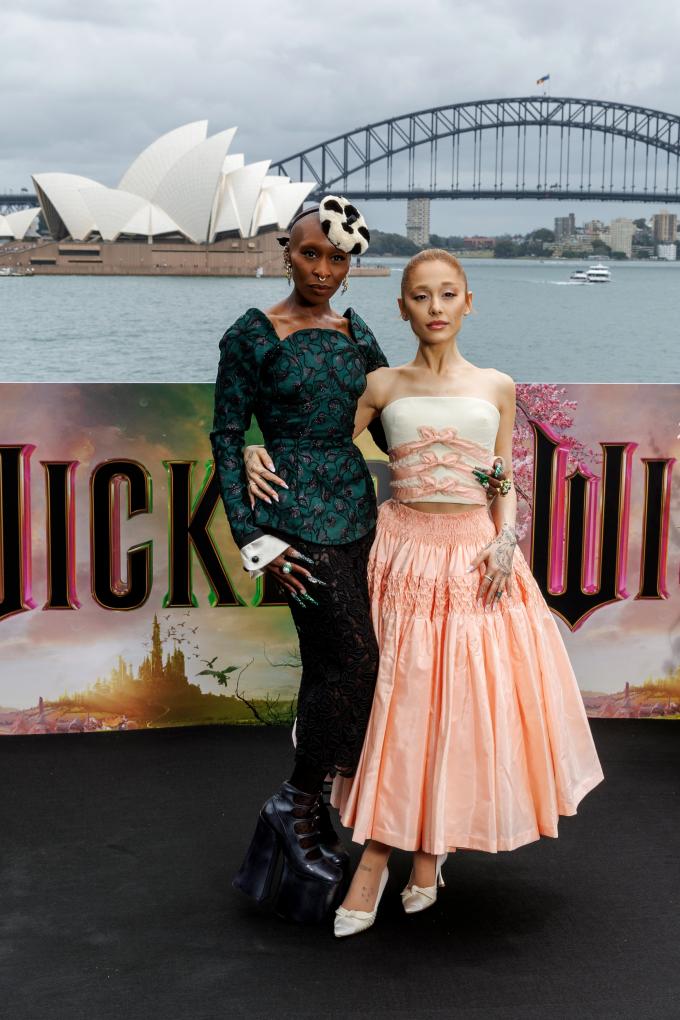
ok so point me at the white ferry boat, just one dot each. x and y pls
(15, 271)
(598, 273)
(579, 276)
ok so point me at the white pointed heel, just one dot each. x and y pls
(416, 898)
(351, 922)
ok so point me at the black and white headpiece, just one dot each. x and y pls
(343, 225)
(341, 222)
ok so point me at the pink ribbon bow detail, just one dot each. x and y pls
(448, 437)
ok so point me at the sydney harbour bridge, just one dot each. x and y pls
(526, 148)
(532, 147)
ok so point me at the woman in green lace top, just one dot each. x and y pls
(301, 368)
(303, 390)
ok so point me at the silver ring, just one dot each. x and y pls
(489, 577)
(286, 568)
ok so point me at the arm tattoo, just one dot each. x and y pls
(508, 530)
(505, 543)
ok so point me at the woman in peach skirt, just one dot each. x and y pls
(478, 737)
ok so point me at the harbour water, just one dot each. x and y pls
(529, 321)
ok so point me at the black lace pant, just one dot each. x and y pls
(339, 654)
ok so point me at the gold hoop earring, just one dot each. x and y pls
(345, 284)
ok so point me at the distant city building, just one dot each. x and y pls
(578, 242)
(594, 227)
(418, 221)
(565, 226)
(620, 234)
(476, 243)
(669, 252)
(184, 186)
(665, 227)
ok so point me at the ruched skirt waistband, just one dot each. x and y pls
(435, 528)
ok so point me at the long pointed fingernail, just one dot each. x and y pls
(271, 467)
(276, 497)
(296, 598)
(317, 580)
(309, 598)
(301, 556)
(470, 568)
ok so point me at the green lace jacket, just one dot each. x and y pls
(303, 391)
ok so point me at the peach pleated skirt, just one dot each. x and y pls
(478, 736)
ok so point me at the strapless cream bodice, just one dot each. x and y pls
(434, 442)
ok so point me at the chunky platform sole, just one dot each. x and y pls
(254, 877)
(305, 900)
(267, 877)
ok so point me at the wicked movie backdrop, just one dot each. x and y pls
(123, 603)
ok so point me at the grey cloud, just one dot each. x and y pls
(86, 86)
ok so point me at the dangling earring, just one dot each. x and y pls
(345, 284)
(288, 266)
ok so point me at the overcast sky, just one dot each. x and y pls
(85, 86)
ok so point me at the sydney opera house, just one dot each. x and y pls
(186, 204)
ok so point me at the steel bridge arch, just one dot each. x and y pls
(335, 161)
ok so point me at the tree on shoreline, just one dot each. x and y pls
(391, 244)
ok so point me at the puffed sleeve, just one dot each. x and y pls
(372, 352)
(235, 390)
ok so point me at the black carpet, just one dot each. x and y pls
(117, 851)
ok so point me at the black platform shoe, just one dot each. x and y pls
(308, 884)
(329, 841)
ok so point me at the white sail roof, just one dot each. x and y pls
(5, 229)
(63, 192)
(20, 221)
(278, 202)
(241, 190)
(287, 199)
(150, 220)
(184, 182)
(187, 192)
(111, 208)
(146, 172)
(265, 213)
